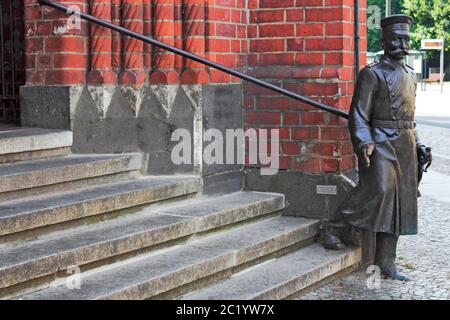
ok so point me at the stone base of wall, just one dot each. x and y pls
(303, 199)
(116, 119)
(300, 189)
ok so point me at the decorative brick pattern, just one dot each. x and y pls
(164, 30)
(147, 9)
(116, 46)
(133, 50)
(227, 43)
(101, 46)
(306, 46)
(216, 29)
(194, 41)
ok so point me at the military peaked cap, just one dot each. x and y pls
(399, 22)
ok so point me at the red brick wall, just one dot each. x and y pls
(213, 28)
(306, 46)
(54, 58)
(227, 36)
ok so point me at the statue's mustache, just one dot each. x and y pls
(399, 51)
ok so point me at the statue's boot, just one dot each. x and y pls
(392, 272)
(386, 247)
(329, 240)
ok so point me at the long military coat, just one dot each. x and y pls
(385, 199)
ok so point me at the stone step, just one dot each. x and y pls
(281, 277)
(40, 211)
(152, 274)
(51, 253)
(17, 144)
(44, 172)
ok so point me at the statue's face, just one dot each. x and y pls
(395, 44)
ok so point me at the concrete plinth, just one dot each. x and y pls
(117, 119)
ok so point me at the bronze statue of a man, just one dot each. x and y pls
(382, 132)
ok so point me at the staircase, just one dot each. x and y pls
(92, 227)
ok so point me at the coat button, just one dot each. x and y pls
(393, 94)
(390, 81)
(394, 118)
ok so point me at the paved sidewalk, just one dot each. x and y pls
(432, 102)
(425, 256)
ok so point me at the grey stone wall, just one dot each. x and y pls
(300, 189)
(222, 110)
(303, 200)
(116, 119)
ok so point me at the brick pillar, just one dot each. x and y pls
(164, 31)
(194, 41)
(178, 32)
(133, 57)
(116, 45)
(226, 41)
(147, 9)
(101, 46)
(54, 53)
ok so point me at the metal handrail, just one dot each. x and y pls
(196, 58)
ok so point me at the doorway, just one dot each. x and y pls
(12, 59)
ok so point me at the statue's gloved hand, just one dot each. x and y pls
(367, 151)
(424, 156)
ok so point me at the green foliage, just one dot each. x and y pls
(373, 34)
(431, 20)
